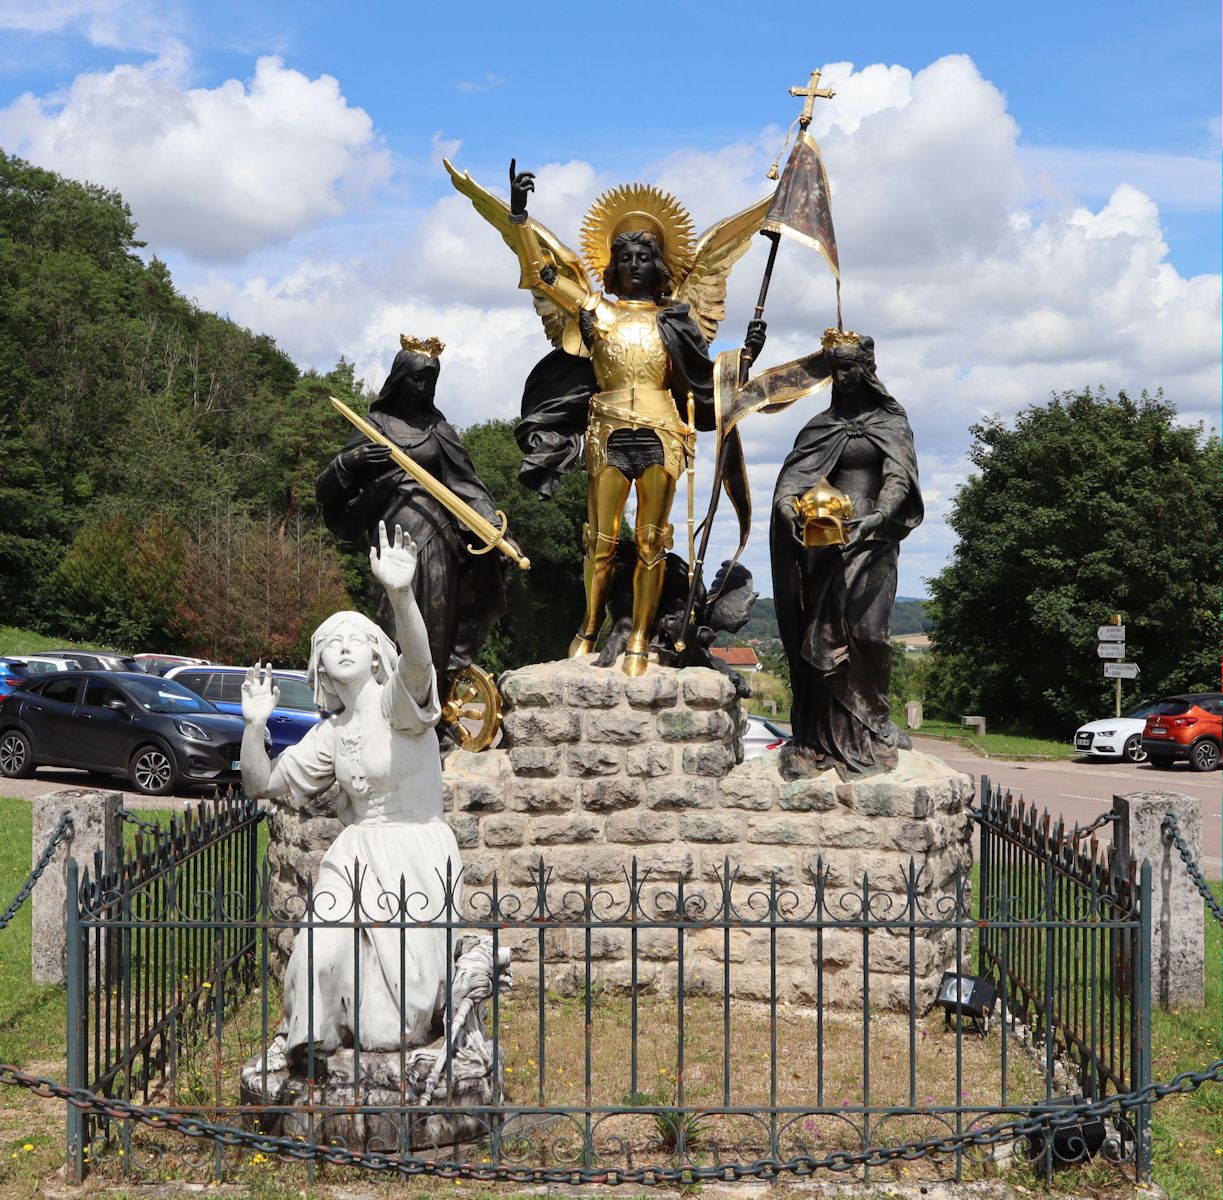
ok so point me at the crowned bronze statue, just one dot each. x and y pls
(846, 497)
(630, 374)
(406, 466)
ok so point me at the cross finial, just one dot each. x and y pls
(811, 93)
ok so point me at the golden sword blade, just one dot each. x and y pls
(492, 537)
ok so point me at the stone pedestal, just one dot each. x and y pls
(97, 829)
(597, 769)
(1178, 956)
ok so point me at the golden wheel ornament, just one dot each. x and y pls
(473, 708)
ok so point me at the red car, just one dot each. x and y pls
(1188, 727)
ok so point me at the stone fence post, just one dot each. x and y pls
(96, 826)
(1178, 955)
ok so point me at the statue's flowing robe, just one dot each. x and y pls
(834, 604)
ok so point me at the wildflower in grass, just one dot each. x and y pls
(28, 1147)
(509, 1070)
(207, 985)
(260, 1158)
(808, 1124)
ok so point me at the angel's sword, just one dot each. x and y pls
(492, 537)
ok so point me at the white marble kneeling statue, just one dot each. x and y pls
(379, 746)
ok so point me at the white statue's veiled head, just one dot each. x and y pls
(326, 639)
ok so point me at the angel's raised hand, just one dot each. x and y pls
(259, 693)
(521, 182)
(393, 562)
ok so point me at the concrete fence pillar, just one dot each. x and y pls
(1178, 955)
(96, 827)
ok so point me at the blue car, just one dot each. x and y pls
(12, 673)
(291, 719)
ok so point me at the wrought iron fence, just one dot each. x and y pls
(1065, 930)
(652, 1073)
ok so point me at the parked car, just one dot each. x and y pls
(1188, 727)
(161, 664)
(38, 665)
(1116, 737)
(155, 731)
(13, 673)
(759, 735)
(291, 719)
(93, 660)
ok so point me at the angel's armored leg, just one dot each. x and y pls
(655, 491)
(606, 493)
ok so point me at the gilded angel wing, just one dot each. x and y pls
(717, 250)
(497, 213)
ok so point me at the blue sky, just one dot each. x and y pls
(1023, 194)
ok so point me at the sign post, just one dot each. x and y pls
(1111, 639)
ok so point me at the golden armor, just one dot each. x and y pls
(631, 366)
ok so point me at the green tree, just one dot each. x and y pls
(544, 605)
(1086, 506)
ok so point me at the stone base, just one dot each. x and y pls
(381, 1083)
(596, 770)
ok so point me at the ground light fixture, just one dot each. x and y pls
(970, 996)
(1074, 1142)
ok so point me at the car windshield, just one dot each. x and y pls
(165, 696)
(1145, 709)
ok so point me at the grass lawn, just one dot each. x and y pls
(997, 744)
(14, 642)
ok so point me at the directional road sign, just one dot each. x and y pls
(1117, 670)
(1111, 650)
(1110, 633)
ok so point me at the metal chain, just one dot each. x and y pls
(1103, 819)
(800, 1165)
(132, 819)
(61, 833)
(1171, 829)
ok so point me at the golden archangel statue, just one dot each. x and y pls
(630, 374)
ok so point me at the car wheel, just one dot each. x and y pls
(16, 755)
(152, 771)
(1132, 751)
(1204, 756)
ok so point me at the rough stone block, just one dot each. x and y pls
(610, 795)
(711, 760)
(649, 761)
(682, 793)
(807, 795)
(544, 796)
(782, 831)
(531, 689)
(535, 762)
(749, 867)
(466, 828)
(592, 687)
(504, 829)
(478, 872)
(580, 827)
(853, 832)
(479, 796)
(709, 827)
(640, 825)
(604, 864)
(620, 726)
(704, 688)
(692, 725)
(541, 727)
(654, 689)
(594, 760)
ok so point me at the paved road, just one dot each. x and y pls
(51, 779)
(1081, 789)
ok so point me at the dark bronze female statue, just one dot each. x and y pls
(461, 595)
(834, 575)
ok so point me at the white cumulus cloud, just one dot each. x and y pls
(216, 172)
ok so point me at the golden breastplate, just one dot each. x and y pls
(628, 351)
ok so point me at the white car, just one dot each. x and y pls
(759, 735)
(44, 666)
(1115, 737)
